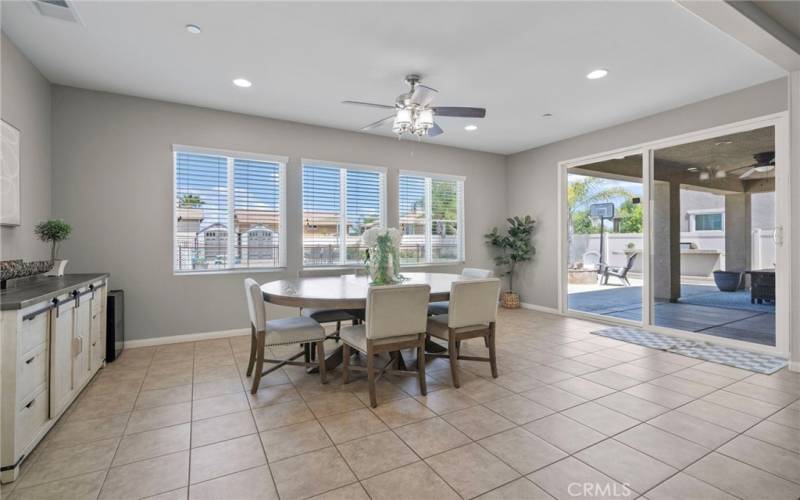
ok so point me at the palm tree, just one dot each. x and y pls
(585, 191)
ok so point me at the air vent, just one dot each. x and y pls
(58, 9)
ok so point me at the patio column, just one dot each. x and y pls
(667, 237)
(794, 218)
(738, 244)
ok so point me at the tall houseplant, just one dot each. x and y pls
(54, 231)
(514, 248)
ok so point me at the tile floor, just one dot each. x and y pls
(572, 415)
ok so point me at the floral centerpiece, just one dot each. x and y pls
(382, 258)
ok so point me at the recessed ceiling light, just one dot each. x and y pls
(547, 115)
(193, 29)
(470, 127)
(597, 74)
(242, 82)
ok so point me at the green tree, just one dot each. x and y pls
(445, 200)
(582, 223)
(630, 215)
(190, 201)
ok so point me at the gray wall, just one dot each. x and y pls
(113, 182)
(533, 175)
(25, 104)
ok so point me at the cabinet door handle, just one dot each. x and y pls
(30, 403)
(29, 361)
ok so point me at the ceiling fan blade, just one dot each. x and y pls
(423, 95)
(460, 112)
(747, 174)
(435, 130)
(368, 104)
(378, 123)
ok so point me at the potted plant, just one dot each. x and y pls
(54, 231)
(514, 247)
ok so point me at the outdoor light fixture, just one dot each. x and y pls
(704, 175)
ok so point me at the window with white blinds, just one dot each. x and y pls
(431, 218)
(340, 202)
(229, 210)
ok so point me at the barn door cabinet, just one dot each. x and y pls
(52, 341)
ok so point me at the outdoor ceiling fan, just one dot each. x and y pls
(764, 163)
(413, 113)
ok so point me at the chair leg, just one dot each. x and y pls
(323, 375)
(373, 398)
(423, 385)
(492, 353)
(261, 339)
(345, 363)
(453, 351)
(252, 360)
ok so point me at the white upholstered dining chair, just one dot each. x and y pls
(283, 331)
(469, 273)
(472, 314)
(395, 320)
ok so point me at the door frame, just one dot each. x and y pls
(783, 290)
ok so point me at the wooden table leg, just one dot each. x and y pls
(332, 360)
(431, 346)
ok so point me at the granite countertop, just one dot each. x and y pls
(43, 288)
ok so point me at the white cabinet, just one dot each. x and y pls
(80, 338)
(62, 320)
(97, 334)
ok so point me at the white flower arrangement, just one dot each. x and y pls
(382, 258)
(370, 236)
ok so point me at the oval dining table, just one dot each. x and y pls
(348, 291)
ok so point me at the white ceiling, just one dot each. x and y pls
(519, 60)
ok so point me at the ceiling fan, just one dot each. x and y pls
(413, 113)
(764, 163)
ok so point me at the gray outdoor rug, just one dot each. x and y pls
(738, 358)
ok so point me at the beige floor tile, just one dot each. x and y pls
(685, 487)
(471, 470)
(402, 412)
(251, 484)
(350, 492)
(215, 460)
(783, 381)
(597, 360)
(214, 372)
(222, 428)
(160, 416)
(323, 405)
(659, 365)
(635, 372)
(101, 405)
(271, 417)
(564, 433)
(789, 417)
(518, 381)
(478, 422)
(658, 395)
(417, 481)
(219, 405)
(716, 414)
(344, 427)
(77, 487)
(699, 431)
(84, 431)
(163, 397)
(521, 489)
(584, 388)
(662, 445)
(326, 466)
(554, 398)
(482, 390)
(61, 463)
(600, 418)
(522, 450)
(430, 437)
(611, 379)
(271, 395)
(779, 435)
(376, 454)
(570, 478)
(518, 409)
(149, 444)
(761, 393)
(179, 494)
(446, 400)
(571, 366)
(630, 405)
(147, 478)
(219, 387)
(741, 403)
(742, 480)
(626, 465)
(683, 386)
(291, 440)
(704, 377)
(778, 461)
(158, 381)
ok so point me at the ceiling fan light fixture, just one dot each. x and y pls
(424, 120)
(704, 175)
(193, 29)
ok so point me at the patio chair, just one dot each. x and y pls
(283, 331)
(467, 273)
(618, 272)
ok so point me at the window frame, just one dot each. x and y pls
(706, 211)
(343, 167)
(460, 193)
(230, 156)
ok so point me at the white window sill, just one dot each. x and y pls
(251, 270)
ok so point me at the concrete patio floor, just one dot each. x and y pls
(701, 308)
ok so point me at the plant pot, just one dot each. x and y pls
(727, 281)
(509, 300)
(58, 268)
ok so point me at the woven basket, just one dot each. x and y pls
(509, 300)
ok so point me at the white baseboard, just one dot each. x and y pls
(794, 366)
(187, 337)
(534, 307)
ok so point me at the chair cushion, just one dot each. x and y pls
(437, 326)
(327, 315)
(293, 330)
(435, 308)
(356, 337)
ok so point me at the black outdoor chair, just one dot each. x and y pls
(620, 272)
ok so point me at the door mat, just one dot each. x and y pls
(730, 356)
